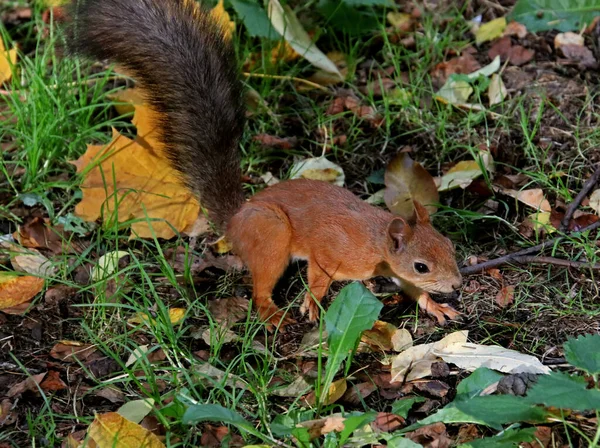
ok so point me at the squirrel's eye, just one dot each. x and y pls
(421, 268)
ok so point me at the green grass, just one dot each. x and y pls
(59, 105)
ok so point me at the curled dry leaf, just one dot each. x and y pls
(113, 430)
(405, 181)
(16, 290)
(387, 422)
(52, 382)
(415, 362)
(73, 351)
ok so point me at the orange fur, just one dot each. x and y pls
(342, 238)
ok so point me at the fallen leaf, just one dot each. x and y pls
(435, 388)
(431, 436)
(272, 141)
(318, 168)
(324, 78)
(8, 60)
(470, 356)
(496, 90)
(29, 385)
(401, 340)
(506, 296)
(380, 336)
(126, 100)
(415, 362)
(208, 375)
(138, 174)
(296, 388)
(318, 427)
(15, 290)
(515, 29)
(32, 262)
(107, 264)
(356, 393)
(463, 173)
(111, 394)
(218, 436)
(490, 30)
(111, 430)
(387, 422)
(582, 55)
(136, 410)
(336, 390)
(463, 64)
(454, 91)
(487, 70)
(286, 23)
(533, 198)
(568, 38)
(405, 181)
(227, 312)
(543, 438)
(8, 416)
(39, 234)
(52, 382)
(515, 54)
(221, 16)
(73, 351)
(400, 20)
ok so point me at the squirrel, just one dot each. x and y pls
(186, 66)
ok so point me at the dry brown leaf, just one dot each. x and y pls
(272, 141)
(15, 290)
(336, 390)
(145, 183)
(29, 385)
(73, 351)
(387, 422)
(516, 54)
(506, 296)
(213, 437)
(463, 64)
(52, 382)
(405, 181)
(7, 415)
(533, 198)
(356, 393)
(39, 234)
(515, 29)
(583, 55)
(431, 436)
(228, 311)
(7, 60)
(31, 261)
(111, 430)
(543, 436)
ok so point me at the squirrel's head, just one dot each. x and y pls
(420, 255)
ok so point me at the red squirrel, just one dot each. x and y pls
(187, 69)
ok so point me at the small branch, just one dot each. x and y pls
(589, 184)
(555, 261)
(475, 269)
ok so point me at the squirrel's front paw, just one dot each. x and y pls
(312, 307)
(438, 310)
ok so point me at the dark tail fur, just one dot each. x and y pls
(188, 71)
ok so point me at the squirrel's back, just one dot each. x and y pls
(187, 69)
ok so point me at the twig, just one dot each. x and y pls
(589, 184)
(556, 261)
(509, 257)
(287, 78)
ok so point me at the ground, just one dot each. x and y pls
(80, 330)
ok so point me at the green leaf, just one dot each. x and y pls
(508, 439)
(497, 410)
(255, 18)
(402, 407)
(354, 421)
(402, 442)
(583, 353)
(354, 310)
(215, 413)
(562, 15)
(476, 382)
(346, 18)
(136, 410)
(564, 391)
(449, 414)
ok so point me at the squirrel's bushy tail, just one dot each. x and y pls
(188, 72)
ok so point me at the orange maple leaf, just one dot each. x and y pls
(131, 180)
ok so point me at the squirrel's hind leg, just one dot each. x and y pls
(262, 236)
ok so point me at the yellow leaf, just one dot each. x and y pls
(128, 99)
(7, 60)
(221, 16)
(222, 246)
(176, 315)
(399, 19)
(336, 391)
(111, 430)
(15, 290)
(490, 30)
(132, 179)
(541, 221)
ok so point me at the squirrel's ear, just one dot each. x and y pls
(421, 213)
(399, 232)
